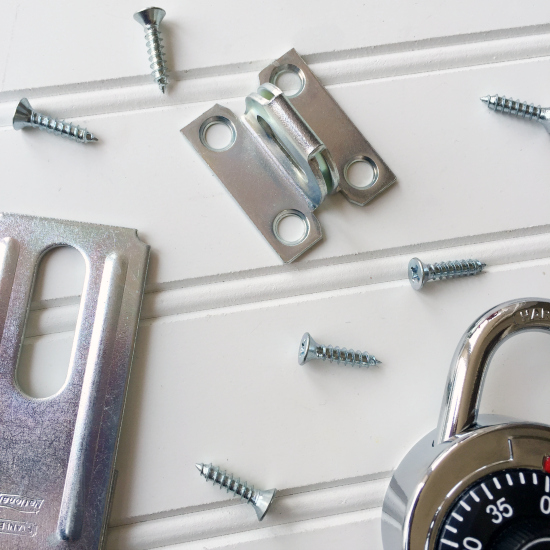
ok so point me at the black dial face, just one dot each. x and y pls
(507, 510)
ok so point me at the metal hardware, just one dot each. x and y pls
(420, 274)
(310, 349)
(150, 19)
(58, 453)
(261, 500)
(287, 153)
(444, 492)
(25, 116)
(518, 108)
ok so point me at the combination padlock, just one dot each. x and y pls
(476, 482)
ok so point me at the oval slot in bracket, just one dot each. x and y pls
(58, 453)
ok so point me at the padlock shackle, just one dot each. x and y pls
(473, 355)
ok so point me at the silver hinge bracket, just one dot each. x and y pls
(287, 153)
(57, 454)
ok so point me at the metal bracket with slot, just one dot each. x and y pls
(57, 454)
(287, 153)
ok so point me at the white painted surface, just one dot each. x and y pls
(215, 376)
(100, 41)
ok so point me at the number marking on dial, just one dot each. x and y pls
(480, 515)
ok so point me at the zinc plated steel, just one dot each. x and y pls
(287, 154)
(150, 19)
(26, 117)
(420, 273)
(57, 454)
(260, 499)
(309, 349)
(522, 109)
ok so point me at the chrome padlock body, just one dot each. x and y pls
(438, 473)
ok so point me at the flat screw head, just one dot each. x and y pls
(417, 274)
(22, 116)
(260, 500)
(306, 351)
(263, 502)
(150, 16)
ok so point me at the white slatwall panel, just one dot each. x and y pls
(45, 46)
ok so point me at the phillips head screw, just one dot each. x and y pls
(309, 349)
(150, 19)
(26, 116)
(518, 108)
(420, 274)
(261, 500)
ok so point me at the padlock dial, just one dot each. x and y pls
(507, 510)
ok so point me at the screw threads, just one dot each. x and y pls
(346, 356)
(233, 485)
(150, 19)
(60, 127)
(513, 107)
(155, 49)
(309, 349)
(261, 500)
(449, 270)
(26, 116)
(420, 274)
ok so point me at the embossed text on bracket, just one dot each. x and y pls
(21, 528)
(21, 504)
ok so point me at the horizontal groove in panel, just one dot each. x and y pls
(110, 43)
(287, 284)
(240, 79)
(217, 522)
(439, 195)
(353, 527)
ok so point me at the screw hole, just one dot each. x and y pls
(291, 227)
(290, 79)
(361, 173)
(218, 133)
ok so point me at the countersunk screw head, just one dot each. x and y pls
(22, 116)
(261, 500)
(307, 349)
(150, 16)
(417, 274)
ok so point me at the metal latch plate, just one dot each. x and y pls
(57, 454)
(334, 128)
(262, 176)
